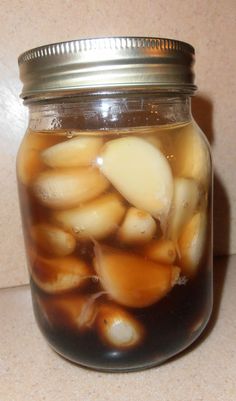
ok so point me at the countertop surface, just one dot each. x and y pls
(31, 371)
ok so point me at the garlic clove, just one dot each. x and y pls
(57, 275)
(185, 201)
(75, 311)
(80, 151)
(53, 240)
(96, 219)
(132, 280)
(138, 227)
(29, 163)
(161, 251)
(192, 158)
(118, 328)
(140, 172)
(65, 188)
(191, 243)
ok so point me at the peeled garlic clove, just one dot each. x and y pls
(74, 311)
(65, 188)
(161, 251)
(79, 151)
(191, 243)
(132, 280)
(140, 172)
(137, 227)
(29, 163)
(53, 240)
(192, 158)
(96, 219)
(118, 328)
(59, 274)
(185, 200)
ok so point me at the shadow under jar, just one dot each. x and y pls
(115, 186)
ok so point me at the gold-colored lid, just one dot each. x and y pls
(102, 63)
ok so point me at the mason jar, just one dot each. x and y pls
(115, 185)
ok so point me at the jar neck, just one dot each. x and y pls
(110, 112)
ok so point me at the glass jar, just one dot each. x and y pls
(115, 188)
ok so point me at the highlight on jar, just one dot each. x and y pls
(115, 223)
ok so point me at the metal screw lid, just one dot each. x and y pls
(101, 63)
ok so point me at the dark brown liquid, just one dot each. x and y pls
(171, 324)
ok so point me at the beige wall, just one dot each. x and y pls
(208, 25)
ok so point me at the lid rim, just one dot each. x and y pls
(112, 62)
(108, 89)
(76, 46)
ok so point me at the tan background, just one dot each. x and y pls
(208, 25)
